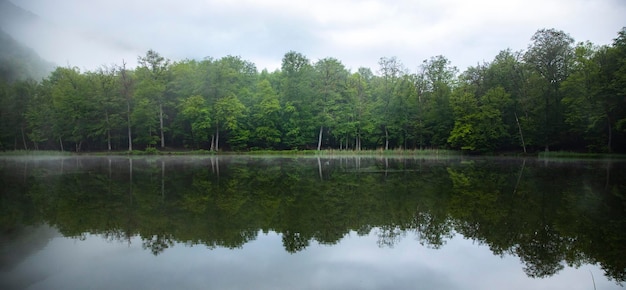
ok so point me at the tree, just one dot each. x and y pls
(330, 84)
(265, 115)
(108, 101)
(550, 55)
(73, 105)
(228, 112)
(126, 92)
(296, 95)
(152, 79)
(359, 98)
(391, 70)
(230, 79)
(195, 110)
(478, 122)
(439, 78)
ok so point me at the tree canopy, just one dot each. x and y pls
(555, 95)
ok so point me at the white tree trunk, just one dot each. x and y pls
(319, 139)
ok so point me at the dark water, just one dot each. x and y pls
(311, 223)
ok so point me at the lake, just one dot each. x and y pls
(254, 222)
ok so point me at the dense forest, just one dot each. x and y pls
(555, 95)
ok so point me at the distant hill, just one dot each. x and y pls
(17, 61)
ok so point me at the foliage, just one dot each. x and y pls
(553, 96)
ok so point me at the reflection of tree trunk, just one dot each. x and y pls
(319, 139)
(520, 132)
(386, 165)
(130, 178)
(163, 179)
(217, 167)
(110, 179)
(608, 175)
(519, 176)
(319, 167)
(26, 170)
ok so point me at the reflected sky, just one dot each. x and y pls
(356, 262)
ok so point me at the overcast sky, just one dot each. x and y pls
(87, 34)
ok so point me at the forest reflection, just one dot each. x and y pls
(548, 213)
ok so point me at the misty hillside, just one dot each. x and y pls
(12, 16)
(18, 62)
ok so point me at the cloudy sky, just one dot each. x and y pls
(91, 33)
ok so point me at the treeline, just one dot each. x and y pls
(555, 95)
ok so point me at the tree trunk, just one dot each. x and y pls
(61, 142)
(212, 142)
(217, 137)
(386, 139)
(608, 145)
(161, 125)
(319, 139)
(23, 138)
(520, 132)
(130, 135)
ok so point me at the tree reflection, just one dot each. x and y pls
(548, 215)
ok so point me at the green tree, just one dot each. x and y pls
(152, 75)
(74, 106)
(228, 113)
(391, 70)
(479, 125)
(296, 95)
(439, 78)
(550, 55)
(330, 85)
(109, 103)
(195, 110)
(265, 115)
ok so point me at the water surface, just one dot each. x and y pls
(311, 223)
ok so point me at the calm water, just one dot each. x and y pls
(311, 223)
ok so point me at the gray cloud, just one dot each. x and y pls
(91, 33)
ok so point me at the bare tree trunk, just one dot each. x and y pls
(608, 145)
(386, 139)
(520, 132)
(161, 125)
(212, 142)
(126, 88)
(61, 142)
(23, 138)
(217, 137)
(319, 139)
(130, 134)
